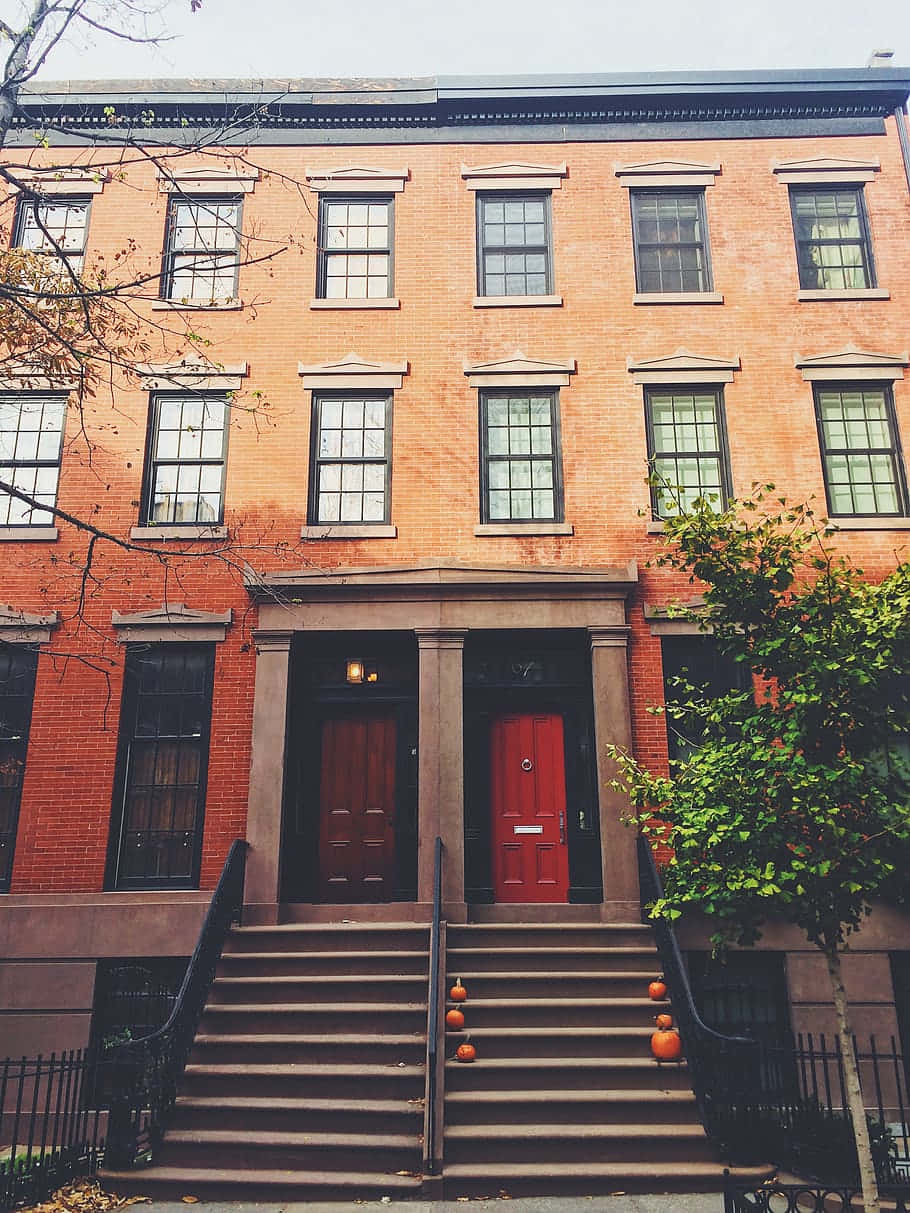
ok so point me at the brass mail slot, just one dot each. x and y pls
(528, 829)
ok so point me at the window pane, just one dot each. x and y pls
(521, 456)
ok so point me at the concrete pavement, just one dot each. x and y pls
(672, 1202)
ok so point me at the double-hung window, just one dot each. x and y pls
(833, 249)
(186, 461)
(671, 241)
(202, 256)
(57, 229)
(520, 466)
(17, 688)
(861, 456)
(164, 744)
(351, 459)
(686, 448)
(31, 441)
(355, 248)
(515, 251)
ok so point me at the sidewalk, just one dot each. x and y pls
(671, 1202)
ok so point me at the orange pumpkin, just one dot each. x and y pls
(657, 990)
(458, 993)
(666, 1046)
(454, 1019)
(466, 1052)
(663, 1022)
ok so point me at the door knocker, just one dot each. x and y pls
(527, 764)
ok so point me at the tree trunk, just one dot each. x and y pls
(854, 1090)
(17, 65)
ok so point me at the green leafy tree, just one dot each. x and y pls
(794, 805)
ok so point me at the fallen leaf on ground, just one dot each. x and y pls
(83, 1196)
(190, 1200)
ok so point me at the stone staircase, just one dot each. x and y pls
(306, 1080)
(564, 1097)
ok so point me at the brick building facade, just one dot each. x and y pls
(426, 521)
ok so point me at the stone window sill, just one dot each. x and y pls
(677, 297)
(187, 305)
(161, 533)
(518, 301)
(353, 304)
(27, 534)
(349, 531)
(490, 529)
(869, 292)
(871, 524)
(655, 528)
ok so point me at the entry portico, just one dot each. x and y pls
(441, 609)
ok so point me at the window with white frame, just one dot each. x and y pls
(31, 443)
(186, 460)
(56, 228)
(351, 458)
(202, 257)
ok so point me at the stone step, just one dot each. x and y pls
(576, 1143)
(518, 983)
(240, 1114)
(522, 959)
(377, 963)
(305, 1081)
(509, 1041)
(561, 1011)
(543, 934)
(299, 1017)
(267, 1150)
(289, 1048)
(391, 989)
(259, 1185)
(585, 1179)
(571, 1073)
(330, 937)
(531, 1107)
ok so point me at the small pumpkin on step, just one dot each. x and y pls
(666, 1045)
(458, 993)
(454, 1019)
(466, 1052)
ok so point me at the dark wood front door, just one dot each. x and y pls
(357, 807)
(528, 808)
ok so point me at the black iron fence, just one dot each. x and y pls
(777, 1197)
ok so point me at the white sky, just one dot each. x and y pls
(280, 38)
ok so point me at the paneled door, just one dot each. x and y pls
(528, 808)
(357, 807)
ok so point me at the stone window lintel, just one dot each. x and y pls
(26, 627)
(514, 175)
(171, 622)
(352, 371)
(357, 179)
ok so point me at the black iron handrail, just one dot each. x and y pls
(144, 1073)
(434, 1013)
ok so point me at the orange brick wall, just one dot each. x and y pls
(434, 497)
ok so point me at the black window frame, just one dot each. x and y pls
(722, 454)
(153, 463)
(317, 461)
(696, 658)
(24, 398)
(545, 196)
(57, 252)
(15, 727)
(865, 241)
(895, 451)
(324, 254)
(697, 192)
(554, 457)
(115, 878)
(171, 253)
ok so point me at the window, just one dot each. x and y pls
(355, 248)
(187, 449)
(17, 688)
(860, 453)
(202, 256)
(520, 457)
(351, 459)
(686, 448)
(514, 244)
(697, 660)
(833, 250)
(671, 243)
(56, 228)
(164, 743)
(31, 440)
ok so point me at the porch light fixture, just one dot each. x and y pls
(355, 671)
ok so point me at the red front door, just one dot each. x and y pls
(357, 808)
(528, 808)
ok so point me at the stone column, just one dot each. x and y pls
(440, 773)
(267, 768)
(613, 725)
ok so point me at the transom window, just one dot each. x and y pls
(202, 256)
(165, 722)
(17, 687)
(687, 449)
(187, 449)
(671, 244)
(833, 249)
(514, 252)
(31, 441)
(56, 228)
(520, 457)
(860, 453)
(355, 248)
(351, 459)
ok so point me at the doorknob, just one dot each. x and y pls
(562, 828)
